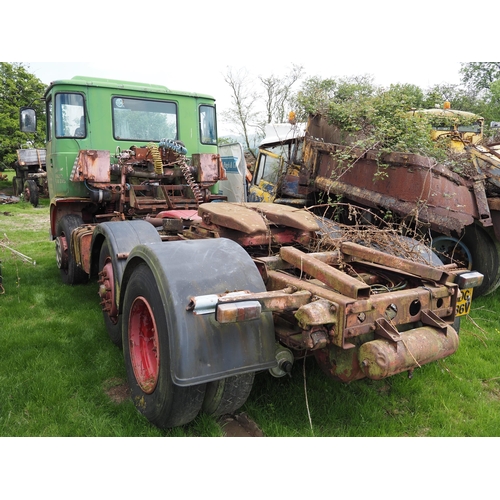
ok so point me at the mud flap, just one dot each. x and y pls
(122, 237)
(202, 349)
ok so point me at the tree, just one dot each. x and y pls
(250, 110)
(459, 97)
(478, 76)
(314, 95)
(317, 95)
(18, 87)
(278, 93)
(242, 113)
(367, 116)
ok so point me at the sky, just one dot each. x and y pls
(190, 45)
(212, 82)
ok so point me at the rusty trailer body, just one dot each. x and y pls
(461, 214)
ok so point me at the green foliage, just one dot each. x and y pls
(481, 80)
(224, 140)
(381, 120)
(478, 76)
(18, 88)
(377, 116)
(317, 94)
(459, 97)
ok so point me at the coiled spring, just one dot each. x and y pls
(155, 153)
(191, 182)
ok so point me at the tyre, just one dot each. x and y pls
(227, 395)
(452, 250)
(107, 292)
(485, 251)
(147, 356)
(477, 251)
(31, 192)
(71, 274)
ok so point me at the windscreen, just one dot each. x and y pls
(143, 119)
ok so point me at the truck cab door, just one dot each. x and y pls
(265, 180)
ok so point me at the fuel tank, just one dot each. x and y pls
(382, 358)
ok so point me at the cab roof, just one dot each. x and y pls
(88, 81)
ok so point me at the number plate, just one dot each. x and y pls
(463, 305)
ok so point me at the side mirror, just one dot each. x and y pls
(27, 120)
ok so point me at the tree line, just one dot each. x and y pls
(356, 105)
(18, 88)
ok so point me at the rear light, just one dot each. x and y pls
(238, 311)
(470, 279)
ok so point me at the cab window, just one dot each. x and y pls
(208, 130)
(69, 115)
(49, 119)
(268, 169)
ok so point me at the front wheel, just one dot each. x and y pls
(147, 356)
(71, 274)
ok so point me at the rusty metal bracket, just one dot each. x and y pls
(430, 318)
(377, 257)
(482, 203)
(338, 280)
(387, 330)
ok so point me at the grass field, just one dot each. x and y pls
(60, 374)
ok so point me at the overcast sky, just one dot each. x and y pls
(190, 45)
(208, 77)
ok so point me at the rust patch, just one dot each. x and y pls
(92, 165)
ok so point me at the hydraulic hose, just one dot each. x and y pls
(173, 145)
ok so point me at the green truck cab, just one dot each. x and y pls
(110, 117)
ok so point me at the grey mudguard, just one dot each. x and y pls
(122, 237)
(201, 349)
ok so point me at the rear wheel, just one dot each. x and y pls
(485, 251)
(107, 292)
(71, 274)
(227, 395)
(147, 356)
(476, 250)
(31, 192)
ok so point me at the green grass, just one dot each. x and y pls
(57, 367)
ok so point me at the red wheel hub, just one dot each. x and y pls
(143, 345)
(107, 291)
